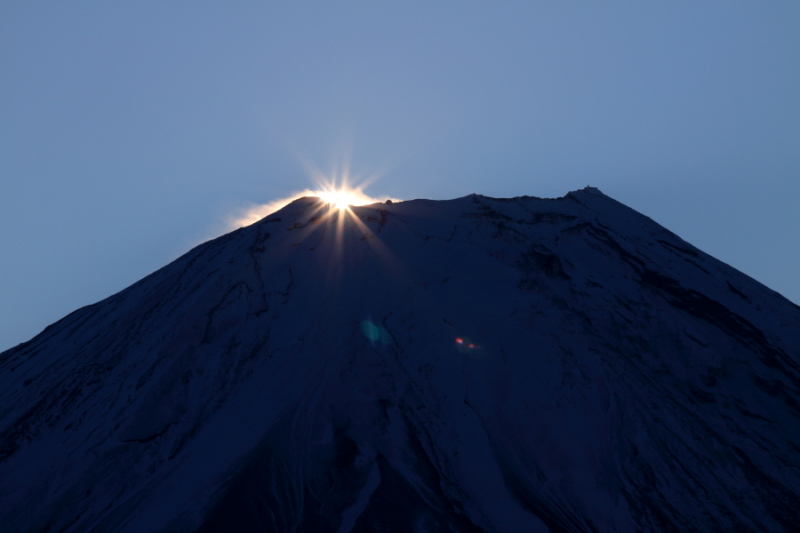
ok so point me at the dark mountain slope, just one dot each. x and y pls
(479, 364)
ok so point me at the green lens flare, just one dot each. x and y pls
(375, 333)
(371, 331)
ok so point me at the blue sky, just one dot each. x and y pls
(131, 131)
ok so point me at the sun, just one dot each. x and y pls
(339, 199)
(337, 192)
(343, 197)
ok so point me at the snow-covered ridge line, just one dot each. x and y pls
(475, 364)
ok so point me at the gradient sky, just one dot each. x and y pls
(132, 131)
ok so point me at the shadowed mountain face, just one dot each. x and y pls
(474, 365)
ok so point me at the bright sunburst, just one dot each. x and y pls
(334, 189)
(338, 197)
(343, 197)
(334, 213)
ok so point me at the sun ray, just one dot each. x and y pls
(377, 245)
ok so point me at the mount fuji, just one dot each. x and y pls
(472, 365)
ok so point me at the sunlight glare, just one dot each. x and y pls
(333, 189)
(342, 198)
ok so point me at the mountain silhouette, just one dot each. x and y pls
(471, 365)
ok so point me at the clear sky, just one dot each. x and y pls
(131, 131)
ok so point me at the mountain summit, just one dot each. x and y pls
(472, 365)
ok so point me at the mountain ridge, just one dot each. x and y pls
(305, 373)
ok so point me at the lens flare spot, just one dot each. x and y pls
(464, 345)
(375, 333)
(370, 330)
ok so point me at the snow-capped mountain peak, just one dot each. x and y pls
(477, 364)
